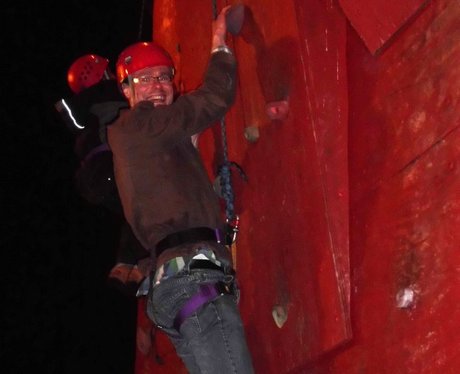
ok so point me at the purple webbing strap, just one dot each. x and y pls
(207, 292)
(218, 233)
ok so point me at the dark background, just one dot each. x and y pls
(59, 314)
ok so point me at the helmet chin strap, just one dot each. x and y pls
(131, 90)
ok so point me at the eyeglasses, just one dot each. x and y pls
(147, 79)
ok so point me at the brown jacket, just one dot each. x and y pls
(163, 185)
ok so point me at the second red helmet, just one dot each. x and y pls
(86, 71)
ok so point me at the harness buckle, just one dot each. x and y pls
(231, 230)
(224, 288)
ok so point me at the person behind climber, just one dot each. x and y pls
(171, 206)
(96, 102)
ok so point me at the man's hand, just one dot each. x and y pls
(219, 29)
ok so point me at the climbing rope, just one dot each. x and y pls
(214, 9)
(225, 175)
(224, 171)
(141, 21)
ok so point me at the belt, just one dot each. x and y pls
(194, 235)
(204, 259)
(204, 264)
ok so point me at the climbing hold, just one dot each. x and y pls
(277, 109)
(235, 19)
(279, 314)
(251, 133)
(405, 298)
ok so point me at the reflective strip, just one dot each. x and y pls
(71, 116)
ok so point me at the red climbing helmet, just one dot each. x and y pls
(139, 56)
(86, 71)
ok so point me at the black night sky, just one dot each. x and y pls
(59, 315)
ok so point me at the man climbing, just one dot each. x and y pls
(171, 206)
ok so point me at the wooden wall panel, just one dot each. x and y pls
(293, 239)
(405, 201)
(378, 21)
(404, 100)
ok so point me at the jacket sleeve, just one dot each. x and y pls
(193, 112)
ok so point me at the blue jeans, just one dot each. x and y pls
(212, 340)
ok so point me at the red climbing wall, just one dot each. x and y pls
(405, 200)
(352, 202)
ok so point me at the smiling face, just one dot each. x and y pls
(152, 84)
